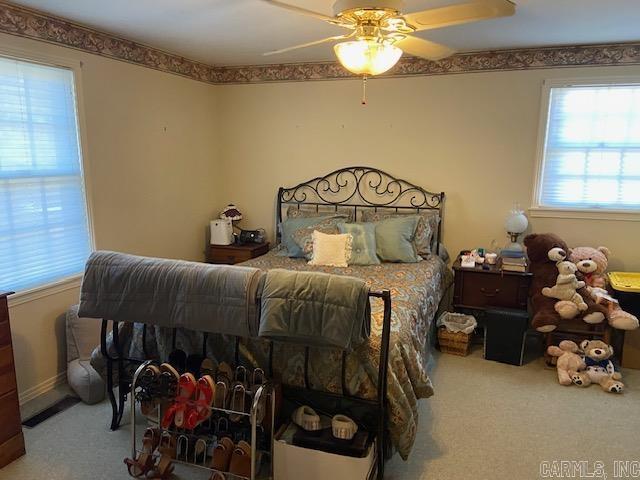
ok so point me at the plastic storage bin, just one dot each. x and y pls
(291, 462)
(626, 286)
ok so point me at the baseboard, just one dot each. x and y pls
(42, 388)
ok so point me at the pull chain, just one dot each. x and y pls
(364, 90)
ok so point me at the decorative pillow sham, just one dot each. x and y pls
(425, 239)
(304, 236)
(290, 225)
(306, 211)
(395, 239)
(363, 246)
(331, 250)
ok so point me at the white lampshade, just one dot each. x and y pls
(367, 57)
(516, 222)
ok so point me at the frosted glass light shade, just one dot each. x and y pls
(516, 222)
(367, 57)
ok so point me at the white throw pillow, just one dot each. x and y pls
(331, 250)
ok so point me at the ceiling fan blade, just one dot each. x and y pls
(463, 13)
(310, 44)
(304, 11)
(424, 48)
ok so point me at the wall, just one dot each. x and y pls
(151, 150)
(473, 136)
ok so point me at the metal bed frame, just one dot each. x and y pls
(346, 189)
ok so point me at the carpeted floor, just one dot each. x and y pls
(487, 421)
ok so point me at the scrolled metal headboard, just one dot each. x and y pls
(360, 188)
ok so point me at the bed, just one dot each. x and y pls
(417, 290)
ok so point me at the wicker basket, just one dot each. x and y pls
(455, 343)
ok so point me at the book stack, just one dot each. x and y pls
(514, 264)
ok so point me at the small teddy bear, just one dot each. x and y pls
(599, 367)
(569, 363)
(566, 285)
(592, 264)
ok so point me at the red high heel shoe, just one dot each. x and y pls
(176, 411)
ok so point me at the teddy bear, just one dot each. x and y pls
(566, 285)
(599, 367)
(544, 252)
(569, 362)
(592, 264)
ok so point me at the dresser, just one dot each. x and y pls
(11, 440)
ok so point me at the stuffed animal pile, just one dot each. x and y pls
(571, 284)
(587, 364)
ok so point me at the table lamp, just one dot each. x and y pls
(516, 224)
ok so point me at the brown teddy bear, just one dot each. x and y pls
(599, 367)
(592, 264)
(544, 252)
(569, 363)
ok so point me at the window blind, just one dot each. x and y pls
(592, 149)
(44, 233)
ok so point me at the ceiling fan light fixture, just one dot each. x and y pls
(367, 57)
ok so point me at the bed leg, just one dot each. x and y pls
(112, 397)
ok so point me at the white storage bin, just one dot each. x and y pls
(294, 463)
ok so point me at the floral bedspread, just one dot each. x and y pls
(416, 292)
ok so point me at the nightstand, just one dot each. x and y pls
(235, 253)
(498, 300)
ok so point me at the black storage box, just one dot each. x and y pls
(504, 335)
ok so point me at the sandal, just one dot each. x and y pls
(222, 455)
(176, 411)
(201, 410)
(148, 381)
(144, 463)
(240, 400)
(167, 449)
(240, 464)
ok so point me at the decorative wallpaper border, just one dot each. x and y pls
(25, 22)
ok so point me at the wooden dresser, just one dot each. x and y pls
(11, 440)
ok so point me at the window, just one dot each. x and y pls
(591, 153)
(44, 231)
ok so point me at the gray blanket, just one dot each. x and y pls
(315, 309)
(172, 293)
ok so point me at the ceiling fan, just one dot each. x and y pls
(380, 32)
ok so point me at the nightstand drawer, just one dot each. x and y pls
(225, 256)
(480, 290)
(232, 254)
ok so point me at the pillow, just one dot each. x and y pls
(395, 239)
(306, 211)
(427, 226)
(304, 236)
(290, 225)
(363, 245)
(331, 250)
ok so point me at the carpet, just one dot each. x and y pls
(487, 420)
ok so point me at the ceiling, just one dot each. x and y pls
(237, 32)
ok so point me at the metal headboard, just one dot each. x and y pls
(360, 188)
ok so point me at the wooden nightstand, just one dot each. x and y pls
(477, 289)
(235, 253)
(498, 300)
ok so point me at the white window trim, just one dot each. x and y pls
(29, 55)
(538, 210)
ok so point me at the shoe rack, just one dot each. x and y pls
(195, 448)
